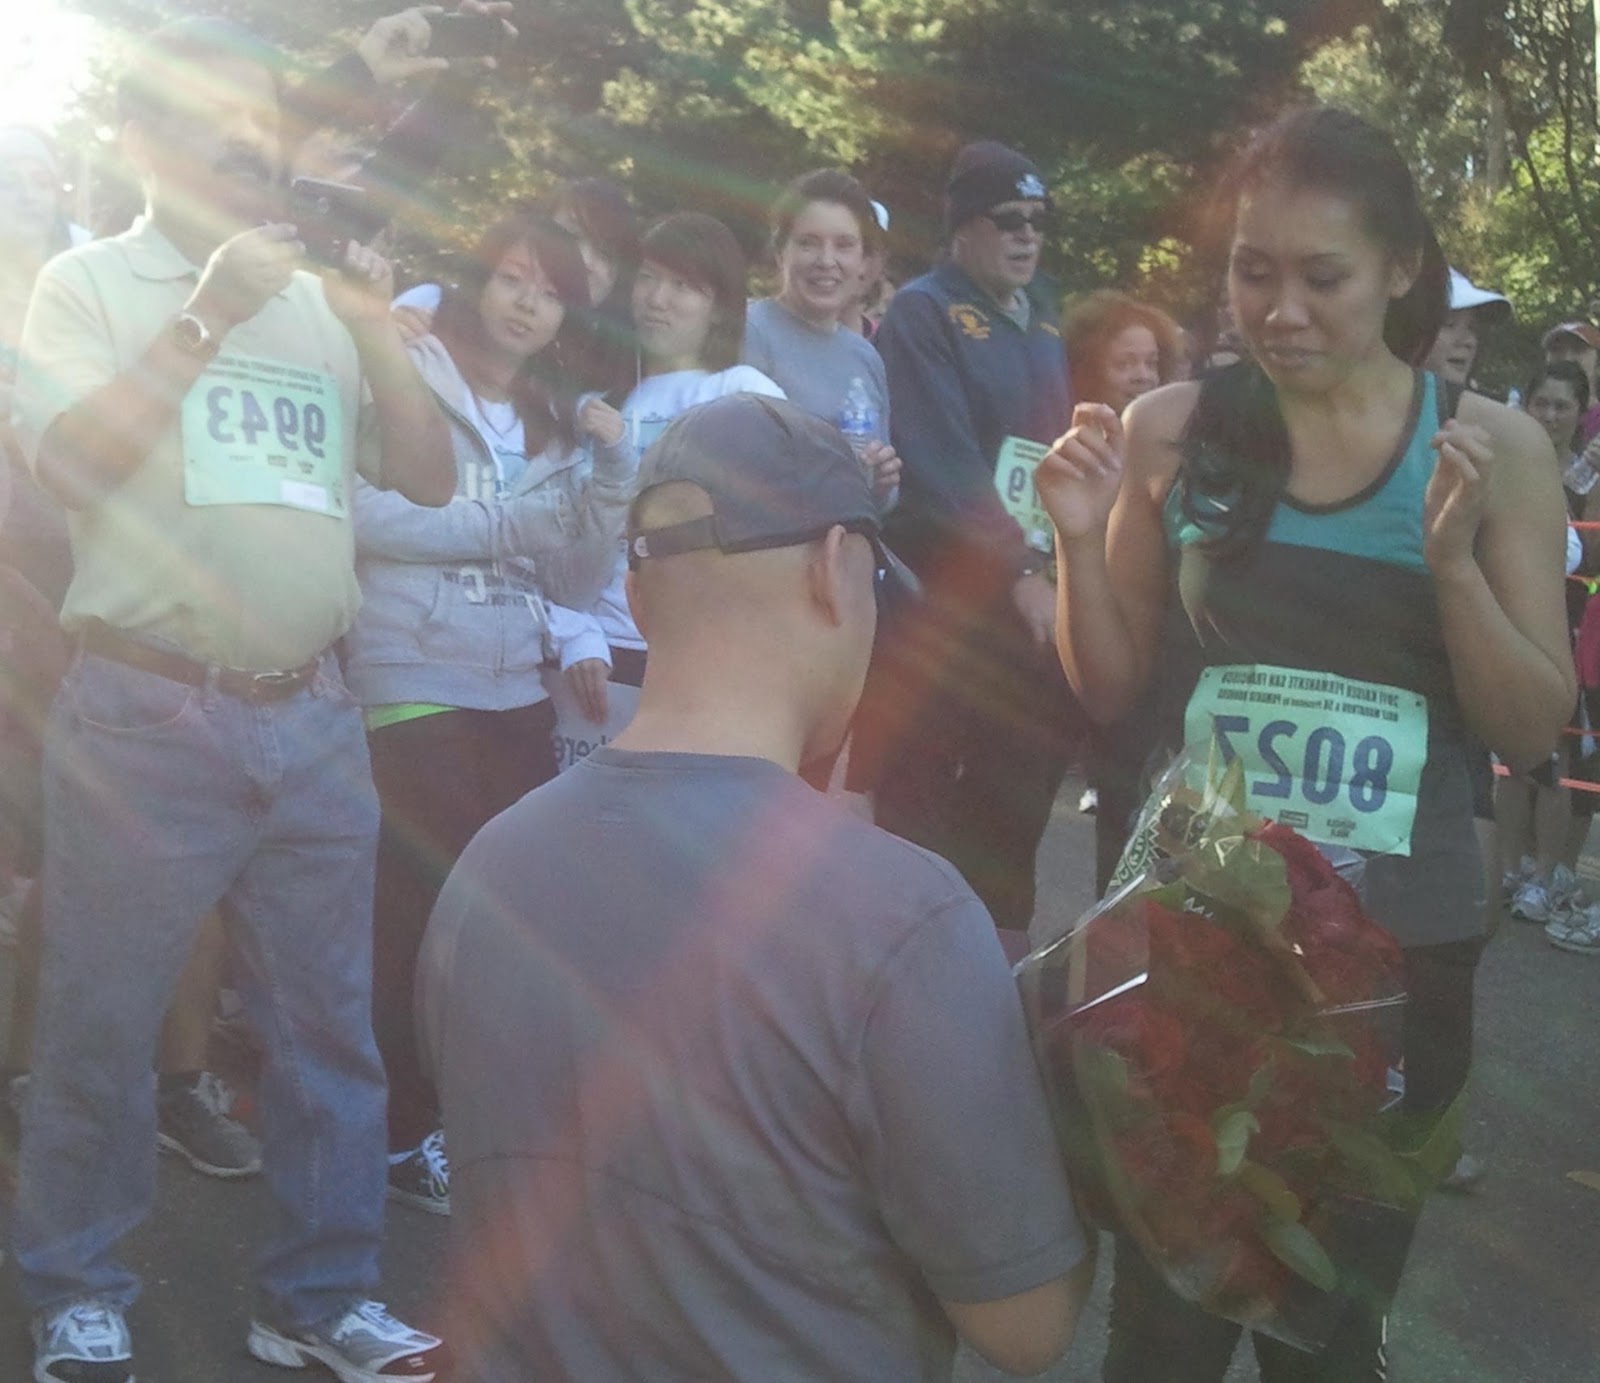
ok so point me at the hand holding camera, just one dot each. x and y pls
(360, 293)
(243, 274)
(425, 39)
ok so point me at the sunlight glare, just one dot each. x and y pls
(45, 53)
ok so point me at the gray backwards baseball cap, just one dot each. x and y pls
(777, 476)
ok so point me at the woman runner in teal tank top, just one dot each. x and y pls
(1317, 514)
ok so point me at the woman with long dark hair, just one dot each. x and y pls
(598, 212)
(1326, 507)
(459, 604)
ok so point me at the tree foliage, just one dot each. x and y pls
(1495, 105)
(713, 103)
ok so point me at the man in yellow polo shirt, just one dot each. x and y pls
(201, 406)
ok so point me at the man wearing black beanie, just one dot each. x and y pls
(969, 725)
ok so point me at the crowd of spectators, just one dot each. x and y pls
(307, 581)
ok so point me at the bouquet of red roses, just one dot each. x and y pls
(1216, 1037)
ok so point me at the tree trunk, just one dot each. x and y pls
(1497, 162)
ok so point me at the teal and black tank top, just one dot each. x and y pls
(1327, 661)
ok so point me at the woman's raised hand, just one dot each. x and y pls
(1457, 495)
(1078, 480)
(598, 419)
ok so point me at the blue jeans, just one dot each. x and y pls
(163, 801)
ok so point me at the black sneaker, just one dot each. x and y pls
(193, 1121)
(421, 1177)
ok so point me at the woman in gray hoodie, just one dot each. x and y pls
(463, 604)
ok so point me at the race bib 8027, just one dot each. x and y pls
(264, 432)
(1337, 759)
(1013, 479)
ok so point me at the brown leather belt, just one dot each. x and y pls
(103, 641)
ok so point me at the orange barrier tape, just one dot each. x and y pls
(1572, 783)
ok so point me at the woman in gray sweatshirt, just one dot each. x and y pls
(463, 604)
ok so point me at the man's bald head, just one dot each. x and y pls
(764, 596)
(752, 548)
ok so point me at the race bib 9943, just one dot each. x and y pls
(1337, 759)
(1013, 479)
(264, 432)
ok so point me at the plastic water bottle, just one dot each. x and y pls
(858, 418)
(1580, 476)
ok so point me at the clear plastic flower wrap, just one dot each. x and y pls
(1216, 1038)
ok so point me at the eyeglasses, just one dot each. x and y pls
(1040, 220)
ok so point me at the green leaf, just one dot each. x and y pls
(1374, 1169)
(1243, 874)
(1428, 1144)
(1104, 1074)
(1297, 1248)
(1232, 1129)
(1260, 1085)
(1318, 1046)
(1223, 797)
(1270, 1189)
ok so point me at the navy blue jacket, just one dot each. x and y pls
(963, 377)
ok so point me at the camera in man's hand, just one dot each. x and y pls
(329, 215)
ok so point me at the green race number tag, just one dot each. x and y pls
(1339, 760)
(263, 432)
(1013, 478)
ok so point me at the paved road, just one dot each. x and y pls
(1501, 1287)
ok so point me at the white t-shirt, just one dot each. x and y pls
(654, 402)
(496, 421)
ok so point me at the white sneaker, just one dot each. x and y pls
(1579, 933)
(364, 1345)
(86, 1342)
(1513, 879)
(1544, 901)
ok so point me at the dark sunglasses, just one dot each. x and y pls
(1041, 221)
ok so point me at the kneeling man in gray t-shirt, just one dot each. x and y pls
(735, 1084)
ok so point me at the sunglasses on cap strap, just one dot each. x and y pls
(1040, 220)
(699, 535)
(894, 585)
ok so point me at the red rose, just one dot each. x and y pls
(1250, 995)
(1194, 1150)
(1191, 941)
(1253, 1282)
(1219, 1060)
(1148, 1037)
(1119, 948)
(1215, 1027)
